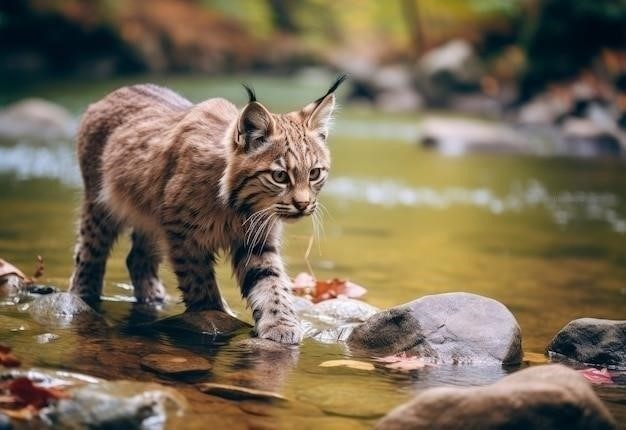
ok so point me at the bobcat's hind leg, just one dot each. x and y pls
(143, 265)
(97, 234)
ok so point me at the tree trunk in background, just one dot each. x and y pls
(411, 12)
(283, 15)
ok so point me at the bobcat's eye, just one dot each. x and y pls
(315, 174)
(280, 176)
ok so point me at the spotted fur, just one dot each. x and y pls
(199, 179)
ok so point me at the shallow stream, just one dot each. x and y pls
(545, 236)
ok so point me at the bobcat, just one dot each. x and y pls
(200, 179)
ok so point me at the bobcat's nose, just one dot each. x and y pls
(301, 205)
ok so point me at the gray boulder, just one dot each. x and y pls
(443, 328)
(543, 397)
(455, 136)
(593, 341)
(448, 69)
(36, 119)
(586, 137)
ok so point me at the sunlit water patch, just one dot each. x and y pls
(564, 206)
(28, 161)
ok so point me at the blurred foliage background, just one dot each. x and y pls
(544, 40)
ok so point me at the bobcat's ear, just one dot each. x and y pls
(319, 113)
(254, 126)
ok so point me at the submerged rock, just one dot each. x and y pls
(443, 328)
(592, 341)
(169, 364)
(61, 310)
(543, 397)
(116, 404)
(239, 393)
(212, 323)
(333, 320)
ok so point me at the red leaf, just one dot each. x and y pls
(30, 394)
(305, 285)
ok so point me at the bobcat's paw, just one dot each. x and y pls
(287, 331)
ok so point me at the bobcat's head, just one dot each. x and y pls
(278, 163)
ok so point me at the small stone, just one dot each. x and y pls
(239, 393)
(167, 364)
(594, 341)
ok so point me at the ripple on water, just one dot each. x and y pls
(564, 207)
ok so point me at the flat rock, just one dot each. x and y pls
(454, 328)
(542, 397)
(169, 364)
(593, 341)
(239, 393)
(213, 323)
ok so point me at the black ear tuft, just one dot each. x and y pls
(338, 82)
(251, 94)
(333, 87)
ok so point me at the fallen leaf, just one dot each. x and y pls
(353, 364)
(596, 376)
(402, 362)
(306, 286)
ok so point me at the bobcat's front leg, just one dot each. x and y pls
(267, 289)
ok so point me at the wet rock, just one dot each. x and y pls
(443, 328)
(239, 393)
(593, 341)
(117, 404)
(543, 397)
(36, 119)
(448, 69)
(543, 110)
(172, 365)
(586, 138)
(454, 136)
(61, 310)
(212, 323)
(333, 320)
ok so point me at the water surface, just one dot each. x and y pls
(545, 236)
